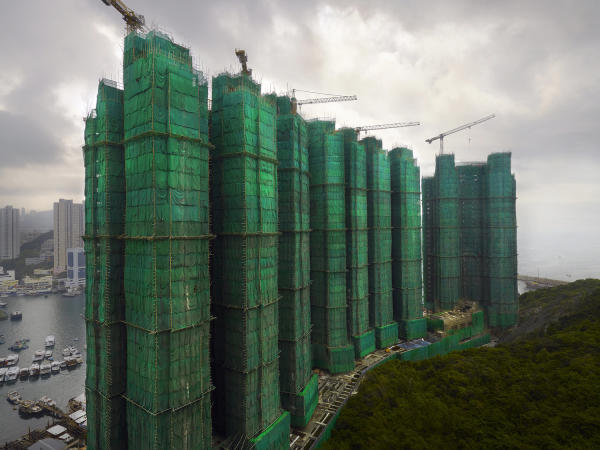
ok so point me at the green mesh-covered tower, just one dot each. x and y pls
(299, 386)
(473, 230)
(442, 235)
(381, 310)
(503, 300)
(245, 271)
(331, 346)
(104, 308)
(406, 244)
(167, 286)
(470, 236)
(357, 240)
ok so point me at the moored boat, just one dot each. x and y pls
(63, 364)
(19, 345)
(24, 373)
(45, 369)
(14, 397)
(16, 315)
(34, 370)
(48, 353)
(50, 340)
(38, 355)
(66, 351)
(11, 374)
(11, 360)
(3, 371)
(55, 367)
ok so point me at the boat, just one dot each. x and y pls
(24, 373)
(63, 364)
(12, 374)
(28, 408)
(78, 359)
(11, 360)
(3, 371)
(75, 339)
(2, 340)
(14, 397)
(66, 351)
(34, 370)
(38, 355)
(45, 369)
(48, 354)
(3, 361)
(55, 367)
(71, 361)
(19, 345)
(50, 341)
(16, 315)
(3, 304)
(4, 295)
(45, 400)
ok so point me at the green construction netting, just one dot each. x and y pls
(429, 261)
(442, 239)
(503, 306)
(357, 241)
(306, 402)
(167, 301)
(294, 263)
(473, 232)
(276, 436)
(406, 238)
(106, 420)
(104, 306)
(413, 328)
(331, 346)
(379, 223)
(245, 262)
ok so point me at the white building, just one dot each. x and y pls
(10, 234)
(8, 284)
(75, 267)
(68, 229)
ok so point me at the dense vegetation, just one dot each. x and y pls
(541, 392)
(29, 249)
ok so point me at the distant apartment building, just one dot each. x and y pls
(75, 267)
(10, 233)
(68, 229)
(8, 284)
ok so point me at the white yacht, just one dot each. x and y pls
(24, 373)
(38, 355)
(45, 369)
(34, 370)
(55, 367)
(12, 359)
(48, 354)
(11, 374)
(50, 341)
(67, 351)
(63, 364)
(3, 371)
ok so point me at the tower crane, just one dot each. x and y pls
(134, 21)
(454, 130)
(241, 54)
(385, 126)
(310, 101)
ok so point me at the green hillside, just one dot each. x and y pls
(539, 392)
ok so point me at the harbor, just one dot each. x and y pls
(46, 319)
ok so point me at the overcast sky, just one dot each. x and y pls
(535, 64)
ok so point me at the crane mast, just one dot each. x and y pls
(134, 21)
(241, 54)
(454, 130)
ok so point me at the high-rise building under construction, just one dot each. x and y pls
(470, 242)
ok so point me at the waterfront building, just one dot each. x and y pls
(10, 233)
(68, 229)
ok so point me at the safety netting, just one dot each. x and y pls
(379, 223)
(167, 288)
(104, 309)
(442, 238)
(331, 347)
(294, 264)
(357, 241)
(245, 270)
(503, 301)
(406, 243)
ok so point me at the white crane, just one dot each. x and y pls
(134, 21)
(454, 130)
(385, 126)
(329, 99)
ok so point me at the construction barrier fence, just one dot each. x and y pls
(379, 223)
(245, 263)
(332, 349)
